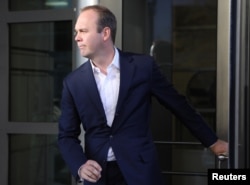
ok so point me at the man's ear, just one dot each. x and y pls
(106, 33)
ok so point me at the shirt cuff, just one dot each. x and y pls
(80, 178)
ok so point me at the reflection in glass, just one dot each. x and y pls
(35, 160)
(40, 57)
(16, 5)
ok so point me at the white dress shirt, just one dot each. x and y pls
(108, 87)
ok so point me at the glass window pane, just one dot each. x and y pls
(40, 57)
(16, 5)
(194, 62)
(35, 160)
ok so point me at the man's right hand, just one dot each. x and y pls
(90, 171)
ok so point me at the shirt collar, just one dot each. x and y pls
(115, 62)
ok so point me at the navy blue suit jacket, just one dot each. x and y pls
(129, 136)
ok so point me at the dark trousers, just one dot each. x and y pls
(114, 175)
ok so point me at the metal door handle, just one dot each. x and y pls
(221, 158)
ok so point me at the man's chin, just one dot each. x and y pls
(84, 55)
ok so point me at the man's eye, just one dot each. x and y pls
(79, 31)
(83, 31)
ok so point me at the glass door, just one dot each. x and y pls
(36, 54)
(182, 37)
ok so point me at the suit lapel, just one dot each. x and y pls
(91, 87)
(126, 73)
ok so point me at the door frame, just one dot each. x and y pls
(223, 70)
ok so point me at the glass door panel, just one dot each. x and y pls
(182, 37)
(35, 159)
(40, 57)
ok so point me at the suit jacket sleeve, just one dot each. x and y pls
(171, 99)
(69, 131)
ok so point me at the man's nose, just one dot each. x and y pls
(77, 38)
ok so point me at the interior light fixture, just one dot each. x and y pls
(58, 3)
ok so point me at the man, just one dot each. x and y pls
(110, 95)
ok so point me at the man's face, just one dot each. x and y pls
(87, 38)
